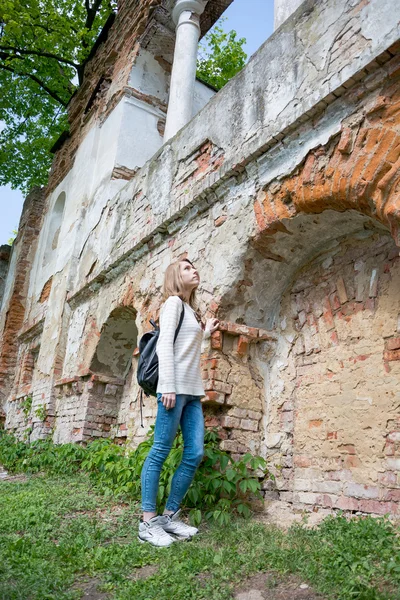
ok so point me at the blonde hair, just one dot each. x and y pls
(173, 285)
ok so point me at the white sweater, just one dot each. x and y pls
(179, 363)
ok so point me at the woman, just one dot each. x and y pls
(179, 391)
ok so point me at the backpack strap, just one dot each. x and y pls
(180, 322)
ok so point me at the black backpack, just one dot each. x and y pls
(147, 371)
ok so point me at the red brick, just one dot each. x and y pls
(249, 425)
(264, 334)
(302, 461)
(374, 506)
(242, 345)
(392, 496)
(388, 479)
(331, 435)
(345, 503)
(216, 340)
(220, 221)
(211, 421)
(391, 355)
(393, 344)
(214, 398)
(314, 423)
(230, 422)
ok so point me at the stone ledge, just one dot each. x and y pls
(90, 377)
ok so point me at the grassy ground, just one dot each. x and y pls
(58, 537)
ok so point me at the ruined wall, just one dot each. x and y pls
(287, 178)
(5, 252)
(335, 418)
(16, 290)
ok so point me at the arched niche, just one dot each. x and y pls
(54, 228)
(118, 339)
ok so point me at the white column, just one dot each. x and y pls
(283, 9)
(186, 15)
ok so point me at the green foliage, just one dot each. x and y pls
(44, 45)
(26, 405)
(221, 488)
(12, 238)
(221, 57)
(41, 412)
(60, 537)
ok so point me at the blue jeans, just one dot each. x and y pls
(188, 413)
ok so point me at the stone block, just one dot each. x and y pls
(392, 495)
(230, 422)
(242, 345)
(110, 390)
(388, 479)
(345, 503)
(356, 490)
(393, 464)
(341, 290)
(249, 425)
(393, 343)
(232, 446)
(379, 508)
(214, 398)
(305, 497)
(216, 340)
(253, 414)
(268, 485)
(238, 412)
(211, 421)
(327, 487)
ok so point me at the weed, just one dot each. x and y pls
(221, 487)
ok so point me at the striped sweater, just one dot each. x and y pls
(179, 363)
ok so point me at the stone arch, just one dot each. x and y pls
(333, 378)
(342, 199)
(54, 227)
(118, 339)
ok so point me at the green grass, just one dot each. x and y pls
(54, 531)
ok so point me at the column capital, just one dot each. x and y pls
(194, 6)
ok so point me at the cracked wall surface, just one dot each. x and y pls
(283, 190)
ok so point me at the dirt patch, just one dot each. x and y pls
(109, 513)
(270, 586)
(144, 572)
(14, 478)
(89, 589)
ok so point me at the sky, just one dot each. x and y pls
(251, 19)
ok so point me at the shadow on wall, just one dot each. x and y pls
(54, 228)
(277, 254)
(118, 339)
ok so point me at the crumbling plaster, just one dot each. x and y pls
(244, 189)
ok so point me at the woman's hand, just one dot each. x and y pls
(212, 325)
(168, 400)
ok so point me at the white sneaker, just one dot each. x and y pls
(153, 532)
(177, 528)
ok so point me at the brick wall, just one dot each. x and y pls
(5, 252)
(13, 308)
(338, 405)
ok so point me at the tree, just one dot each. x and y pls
(44, 46)
(11, 240)
(221, 57)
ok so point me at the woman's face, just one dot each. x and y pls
(190, 275)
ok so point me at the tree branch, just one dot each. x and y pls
(50, 92)
(39, 53)
(91, 12)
